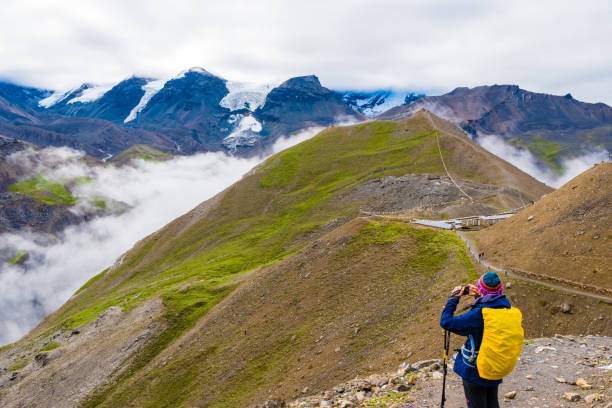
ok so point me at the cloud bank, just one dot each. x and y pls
(526, 161)
(156, 192)
(432, 46)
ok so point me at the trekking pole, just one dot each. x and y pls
(444, 365)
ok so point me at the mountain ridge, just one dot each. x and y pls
(185, 115)
(551, 127)
(199, 118)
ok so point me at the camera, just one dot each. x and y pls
(465, 289)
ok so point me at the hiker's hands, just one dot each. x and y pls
(457, 291)
(474, 292)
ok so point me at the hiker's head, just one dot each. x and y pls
(490, 284)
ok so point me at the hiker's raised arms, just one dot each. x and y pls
(474, 292)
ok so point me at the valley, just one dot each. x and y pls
(232, 303)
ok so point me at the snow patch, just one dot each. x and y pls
(91, 94)
(198, 70)
(246, 95)
(150, 89)
(372, 104)
(55, 97)
(245, 133)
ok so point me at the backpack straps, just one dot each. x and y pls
(469, 355)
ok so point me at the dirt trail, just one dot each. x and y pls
(539, 282)
(442, 158)
(474, 254)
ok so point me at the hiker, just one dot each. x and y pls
(483, 363)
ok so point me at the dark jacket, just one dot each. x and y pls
(470, 324)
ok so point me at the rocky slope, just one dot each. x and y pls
(561, 371)
(551, 127)
(306, 103)
(566, 234)
(292, 288)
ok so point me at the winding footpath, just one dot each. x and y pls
(474, 253)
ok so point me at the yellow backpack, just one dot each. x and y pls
(502, 342)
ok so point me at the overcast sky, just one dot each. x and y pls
(433, 46)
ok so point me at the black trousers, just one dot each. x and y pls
(478, 396)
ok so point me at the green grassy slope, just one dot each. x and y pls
(273, 212)
(141, 152)
(47, 191)
(548, 152)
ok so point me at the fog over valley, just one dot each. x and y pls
(149, 194)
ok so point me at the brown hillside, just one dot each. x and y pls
(357, 300)
(569, 235)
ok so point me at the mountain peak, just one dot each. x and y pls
(309, 81)
(195, 70)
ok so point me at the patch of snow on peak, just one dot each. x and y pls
(372, 104)
(198, 70)
(245, 95)
(150, 89)
(245, 132)
(55, 97)
(91, 94)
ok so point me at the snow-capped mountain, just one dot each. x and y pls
(373, 103)
(113, 103)
(191, 112)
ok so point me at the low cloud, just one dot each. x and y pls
(156, 193)
(286, 142)
(526, 161)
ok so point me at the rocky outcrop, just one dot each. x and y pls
(299, 103)
(19, 212)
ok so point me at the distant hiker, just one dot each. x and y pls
(494, 339)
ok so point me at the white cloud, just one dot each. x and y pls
(285, 142)
(544, 46)
(524, 160)
(157, 193)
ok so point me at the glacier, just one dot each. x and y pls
(92, 93)
(150, 89)
(245, 132)
(246, 95)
